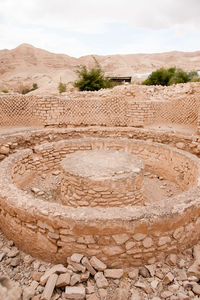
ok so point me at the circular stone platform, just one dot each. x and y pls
(102, 178)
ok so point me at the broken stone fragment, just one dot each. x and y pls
(75, 279)
(63, 280)
(35, 190)
(133, 274)
(97, 264)
(48, 290)
(144, 272)
(76, 257)
(85, 276)
(85, 261)
(113, 273)
(171, 259)
(77, 293)
(4, 150)
(168, 278)
(76, 266)
(101, 281)
(13, 252)
(58, 269)
(90, 289)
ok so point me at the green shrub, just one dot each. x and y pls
(5, 91)
(62, 87)
(35, 86)
(92, 80)
(27, 90)
(170, 76)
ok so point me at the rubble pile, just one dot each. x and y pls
(23, 277)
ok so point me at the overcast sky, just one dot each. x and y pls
(81, 27)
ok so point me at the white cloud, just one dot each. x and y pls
(85, 15)
(60, 25)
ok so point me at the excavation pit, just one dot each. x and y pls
(125, 236)
(102, 178)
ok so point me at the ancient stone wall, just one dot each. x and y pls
(59, 111)
(176, 111)
(118, 236)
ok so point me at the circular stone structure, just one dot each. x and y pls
(119, 236)
(102, 178)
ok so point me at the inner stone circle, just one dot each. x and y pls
(102, 178)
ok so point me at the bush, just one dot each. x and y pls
(27, 90)
(170, 76)
(5, 91)
(92, 80)
(62, 87)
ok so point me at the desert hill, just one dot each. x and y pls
(25, 65)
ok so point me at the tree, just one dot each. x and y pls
(61, 87)
(170, 76)
(92, 80)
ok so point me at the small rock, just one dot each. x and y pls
(180, 145)
(147, 242)
(76, 257)
(37, 275)
(101, 281)
(2, 255)
(35, 190)
(103, 293)
(77, 293)
(85, 276)
(154, 284)
(135, 295)
(56, 172)
(49, 288)
(15, 261)
(196, 289)
(171, 259)
(4, 150)
(143, 286)
(144, 272)
(91, 297)
(63, 280)
(133, 274)
(113, 273)
(168, 278)
(151, 269)
(75, 279)
(166, 294)
(90, 289)
(182, 296)
(87, 264)
(58, 269)
(28, 260)
(139, 236)
(78, 267)
(13, 252)
(97, 264)
(181, 275)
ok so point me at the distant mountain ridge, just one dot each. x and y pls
(27, 64)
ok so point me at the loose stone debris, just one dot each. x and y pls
(178, 277)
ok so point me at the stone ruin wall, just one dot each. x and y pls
(58, 111)
(132, 239)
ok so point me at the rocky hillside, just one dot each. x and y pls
(25, 65)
